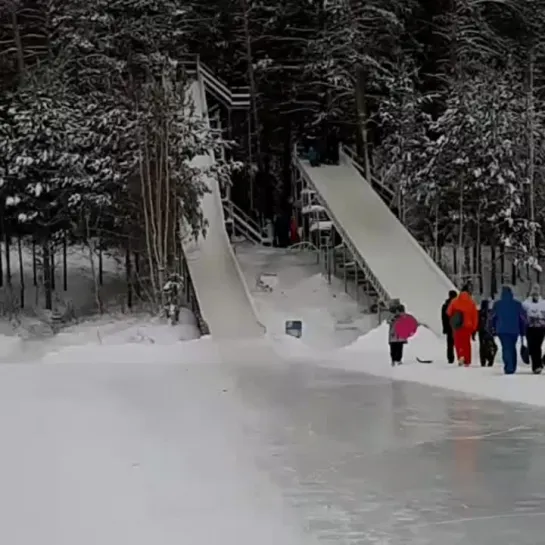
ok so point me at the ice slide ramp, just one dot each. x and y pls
(224, 298)
(399, 263)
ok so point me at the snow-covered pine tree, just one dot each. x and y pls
(477, 165)
(39, 144)
(105, 104)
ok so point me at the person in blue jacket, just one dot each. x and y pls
(508, 322)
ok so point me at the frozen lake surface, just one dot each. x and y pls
(367, 460)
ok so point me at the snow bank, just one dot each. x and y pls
(297, 290)
(138, 351)
(370, 354)
(424, 345)
(9, 345)
(134, 330)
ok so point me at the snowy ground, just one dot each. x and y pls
(78, 301)
(290, 285)
(130, 438)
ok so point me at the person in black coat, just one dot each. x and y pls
(447, 328)
(487, 345)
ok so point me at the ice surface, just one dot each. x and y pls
(134, 436)
(400, 264)
(374, 461)
(128, 441)
(223, 295)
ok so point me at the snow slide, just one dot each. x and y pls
(400, 264)
(223, 295)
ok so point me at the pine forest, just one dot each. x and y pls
(442, 101)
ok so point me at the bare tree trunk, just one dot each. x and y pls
(64, 264)
(18, 43)
(91, 255)
(467, 259)
(147, 226)
(477, 256)
(493, 270)
(252, 84)
(52, 252)
(21, 272)
(34, 266)
(169, 229)
(436, 233)
(159, 146)
(7, 249)
(531, 149)
(128, 271)
(361, 104)
(100, 263)
(461, 232)
(501, 249)
(153, 223)
(1, 262)
(138, 285)
(46, 264)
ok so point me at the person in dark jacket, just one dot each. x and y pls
(508, 323)
(313, 157)
(447, 328)
(487, 344)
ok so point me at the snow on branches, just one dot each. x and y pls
(470, 166)
(109, 97)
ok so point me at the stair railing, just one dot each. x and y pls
(236, 100)
(241, 225)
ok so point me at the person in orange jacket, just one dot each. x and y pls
(464, 319)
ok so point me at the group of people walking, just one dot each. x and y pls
(507, 319)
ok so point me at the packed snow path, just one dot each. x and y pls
(402, 267)
(149, 451)
(221, 289)
(368, 460)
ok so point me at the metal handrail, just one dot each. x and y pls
(244, 215)
(351, 154)
(242, 225)
(235, 97)
(371, 277)
(239, 100)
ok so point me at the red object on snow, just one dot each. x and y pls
(294, 236)
(405, 326)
